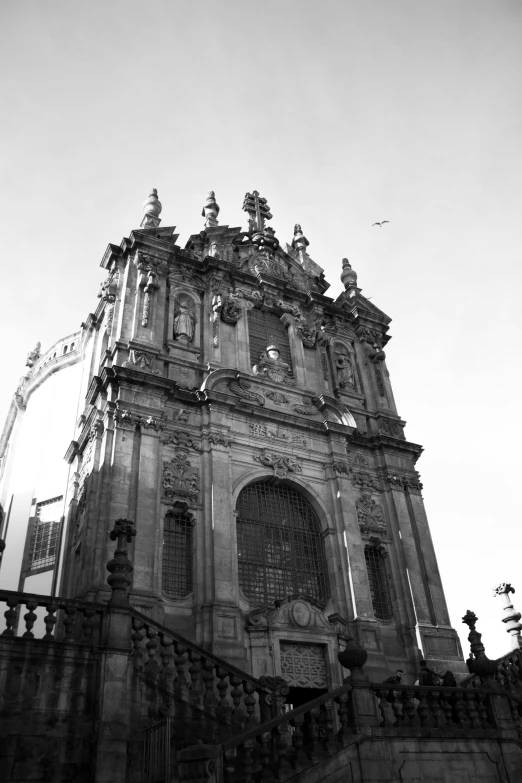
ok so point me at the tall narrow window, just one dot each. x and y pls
(177, 555)
(266, 329)
(46, 530)
(280, 547)
(379, 587)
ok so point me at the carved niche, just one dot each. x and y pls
(344, 366)
(184, 325)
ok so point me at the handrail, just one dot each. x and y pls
(51, 599)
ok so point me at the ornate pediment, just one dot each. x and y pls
(297, 612)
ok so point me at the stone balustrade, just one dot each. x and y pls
(64, 620)
(195, 674)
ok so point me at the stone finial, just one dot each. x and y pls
(151, 210)
(353, 657)
(478, 662)
(210, 210)
(511, 616)
(348, 275)
(33, 356)
(120, 566)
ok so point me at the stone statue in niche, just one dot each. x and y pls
(344, 367)
(184, 318)
(273, 368)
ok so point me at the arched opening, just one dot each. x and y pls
(280, 546)
(177, 553)
(379, 585)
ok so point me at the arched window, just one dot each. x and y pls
(265, 329)
(177, 554)
(280, 546)
(379, 587)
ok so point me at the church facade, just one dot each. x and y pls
(237, 435)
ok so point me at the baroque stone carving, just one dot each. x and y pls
(272, 431)
(277, 398)
(370, 516)
(142, 360)
(390, 427)
(398, 481)
(180, 478)
(281, 463)
(364, 480)
(380, 382)
(307, 409)
(273, 368)
(324, 365)
(339, 466)
(219, 438)
(372, 339)
(33, 356)
(183, 439)
(231, 311)
(184, 318)
(130, 420)
(241, 388)
(344, 367)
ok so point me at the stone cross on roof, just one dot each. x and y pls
(258, 210)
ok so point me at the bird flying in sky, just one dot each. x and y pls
(381, 224)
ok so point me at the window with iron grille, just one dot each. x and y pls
(280, 546)
(177, 555)
(379, 587)
(45, 537)
(266, 329)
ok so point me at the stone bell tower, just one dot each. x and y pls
(246, 423)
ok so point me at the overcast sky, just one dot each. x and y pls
(341, 114)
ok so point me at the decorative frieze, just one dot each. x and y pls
(398, 481)
(273, 432)
(307, 409)
(180, 477)
(126, 419)
(370, 516)
(339, 466)
(281, 463)
(364, 480)
(277, 398)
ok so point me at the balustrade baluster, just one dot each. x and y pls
(312, 733)
(249, 701)
(472, 712)
(396, 705)
(30, 618)
(236, 694)
(380, 695)
(10, 616)
(247, 760)
(50, 621)
(194, 671)
(229, 764)
(152, 645)
(283, 746)
(181, 684)
(69, 621)
(298, 741)
(167, 659)
(88, 624)
(223, 705)
(328, 725)
(439, 719)
(410, 709)
(266, 756)
(342, 713)
(482, 709)
(461, 717)
(424, 710)
(209, 698)
(137, 638)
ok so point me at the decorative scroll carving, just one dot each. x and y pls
(307, 409)
(277, 398)
(130, 420)
(180, 478)
(273, 368)
(324, 365)
(359, 459)
(370, 516)
(231, 311)
(183, 439)
(219, 438)
(282, 464)
(398, 481)
(142, 360)
(339, 466)
(373, 343)
(272, 431)
(241, 388)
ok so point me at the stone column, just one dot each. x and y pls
(511, 616)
